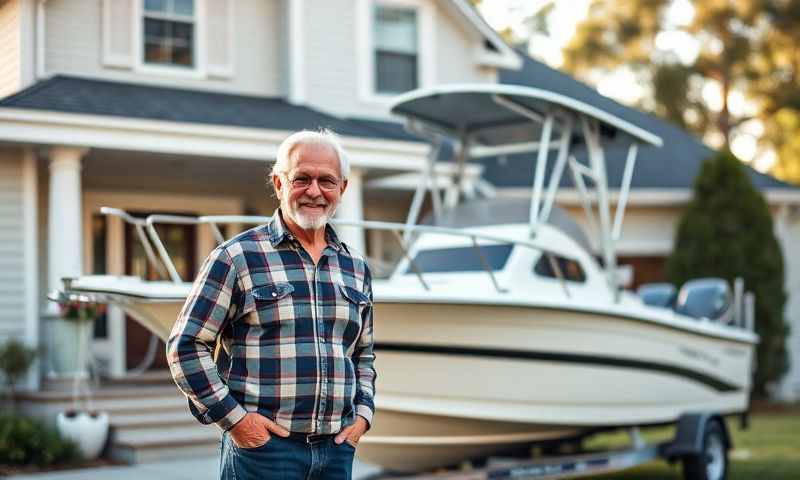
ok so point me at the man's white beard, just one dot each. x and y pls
(306, 222)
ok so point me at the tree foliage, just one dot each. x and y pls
(744, 46)
(727, 232)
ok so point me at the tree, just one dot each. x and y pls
(726, 231)
(746, 47)
(534, 22)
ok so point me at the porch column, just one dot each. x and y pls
(64, 245)
(352, 208)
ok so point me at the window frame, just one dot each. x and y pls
(198, 70)
(365, 46)
(411, 54)
(558, 258)
(505, 251)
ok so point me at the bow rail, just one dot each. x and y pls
(159, 257)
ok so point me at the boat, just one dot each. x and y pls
(501, 328)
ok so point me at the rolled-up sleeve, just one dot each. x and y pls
(191, 343)
(364, 360)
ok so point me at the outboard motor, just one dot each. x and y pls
(657, 294)
(709, 298)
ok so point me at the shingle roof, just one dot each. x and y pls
(674, 165)
(389, 129)
(100, 97)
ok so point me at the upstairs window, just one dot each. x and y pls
(170, 33)
(396, 50)
(570, 269)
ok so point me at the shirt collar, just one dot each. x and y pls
(278, 232)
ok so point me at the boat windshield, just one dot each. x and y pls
(462, 259)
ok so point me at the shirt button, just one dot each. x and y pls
(274, 294)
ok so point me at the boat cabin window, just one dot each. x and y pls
(462, 259)
(570, 269)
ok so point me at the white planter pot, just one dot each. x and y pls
(67, 338)
(88, 431)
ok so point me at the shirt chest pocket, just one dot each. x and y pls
(350, 306)
(270, 303)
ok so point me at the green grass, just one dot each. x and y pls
(768, 450)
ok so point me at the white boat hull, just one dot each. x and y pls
(459, 381)
(497, 376)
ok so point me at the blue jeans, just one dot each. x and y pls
(287, 459)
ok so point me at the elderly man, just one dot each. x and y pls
(292, 306)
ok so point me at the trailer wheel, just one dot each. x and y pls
(712, 462)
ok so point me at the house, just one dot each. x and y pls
(178, 106)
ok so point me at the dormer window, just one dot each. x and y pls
(169, 33)
(396, 49)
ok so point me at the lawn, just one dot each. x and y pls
(768, 450)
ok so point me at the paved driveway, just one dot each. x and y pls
(190, 469)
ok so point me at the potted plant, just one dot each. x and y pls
(15, 361)
(87, 427)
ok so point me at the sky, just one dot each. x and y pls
(622, 84)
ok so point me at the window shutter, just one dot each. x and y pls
(118, 33)
(219, 38)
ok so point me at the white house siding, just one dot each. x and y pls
(454, 41)
(12, 249)
(282, 46)
(646, 231)
(74, 45)
(332, 60)
(10, 42)
(789, 234)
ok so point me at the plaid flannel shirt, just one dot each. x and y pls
(298, 335)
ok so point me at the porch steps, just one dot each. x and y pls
(144, 444)
(150, 419)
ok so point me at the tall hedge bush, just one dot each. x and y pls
(727, 231)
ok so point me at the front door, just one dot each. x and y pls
(180, 242)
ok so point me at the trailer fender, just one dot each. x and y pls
(689, 435)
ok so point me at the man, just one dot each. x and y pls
(292, 306)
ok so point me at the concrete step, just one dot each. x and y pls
(47, 405)
(150, 377)
(153, 419)
(151, 444)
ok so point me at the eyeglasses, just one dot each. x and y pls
(325, 182)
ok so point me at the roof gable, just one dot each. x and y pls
(499, 53)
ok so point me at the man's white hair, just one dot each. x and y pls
(309, 137)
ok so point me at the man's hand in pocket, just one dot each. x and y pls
(254, 430)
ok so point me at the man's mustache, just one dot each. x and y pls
(312, 203)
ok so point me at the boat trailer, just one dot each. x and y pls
(701, 444)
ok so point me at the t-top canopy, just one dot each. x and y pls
(493, 113)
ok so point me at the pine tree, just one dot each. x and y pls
(727, 232)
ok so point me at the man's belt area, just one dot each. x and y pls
(309, 437)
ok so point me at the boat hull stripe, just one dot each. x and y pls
(594, 360)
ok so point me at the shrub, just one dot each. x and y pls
(24, 441)
(15, 360)
(727, 232)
